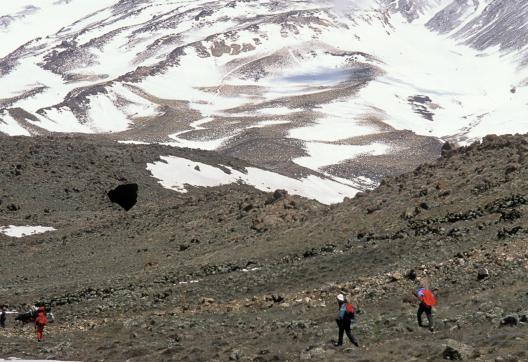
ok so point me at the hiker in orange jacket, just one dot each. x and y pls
(427, 301)
(40, 322)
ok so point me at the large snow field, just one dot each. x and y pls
(470, 91)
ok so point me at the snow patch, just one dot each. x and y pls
(21, 231)
(60, 120)
(325, 154)
(9, 126)
(209, 145)
(264, 124)
(105, 116)
(334, 127)
(189, 282)
(177, 173)
(131, 142)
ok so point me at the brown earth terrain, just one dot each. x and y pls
(232, 273)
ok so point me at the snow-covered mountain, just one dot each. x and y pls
(299, 87)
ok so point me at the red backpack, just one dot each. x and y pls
(349, 309)
(428, 298)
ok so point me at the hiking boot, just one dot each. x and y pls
(337, 344)
(355, 344)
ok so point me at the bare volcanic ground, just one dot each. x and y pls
(231, 273)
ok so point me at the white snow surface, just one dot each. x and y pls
(33, 19)
(264, 124)
(323, 154)
(177, 173)
(341, 121)
(11, 127)
(21, 231)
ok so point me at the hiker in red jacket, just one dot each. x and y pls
(40, 322)
(427, 301)
(344, 318)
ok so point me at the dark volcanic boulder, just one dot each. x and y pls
(509, 321)
(456, 351)
(482, 273)
(124, 195)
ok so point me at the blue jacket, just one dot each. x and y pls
(342, 312)
(342, 315)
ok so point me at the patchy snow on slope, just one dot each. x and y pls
(130, 103)
(339, 123)
(465, 87)
(26, 76)
(189, 282)
(416, 61)
(276, 111)
(116, 110)
(326, 154)
(131, 142)
(329, 72)
(60, 120)
(264, 124)
(21, 231)
(326, 191)
(11, 127)
(193, 74)
(176, 173)
(33, 19)
(105, 116)
(203, 144)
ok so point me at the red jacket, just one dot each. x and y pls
(426, 297)
(41, 319)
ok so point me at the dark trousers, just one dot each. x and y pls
(344, 327)
(39, 328)
(428, 312)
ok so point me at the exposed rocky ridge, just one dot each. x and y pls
(232, 273)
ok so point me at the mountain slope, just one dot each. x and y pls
(229, 271)
(298, 87)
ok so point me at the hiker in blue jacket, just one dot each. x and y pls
(344, 318)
